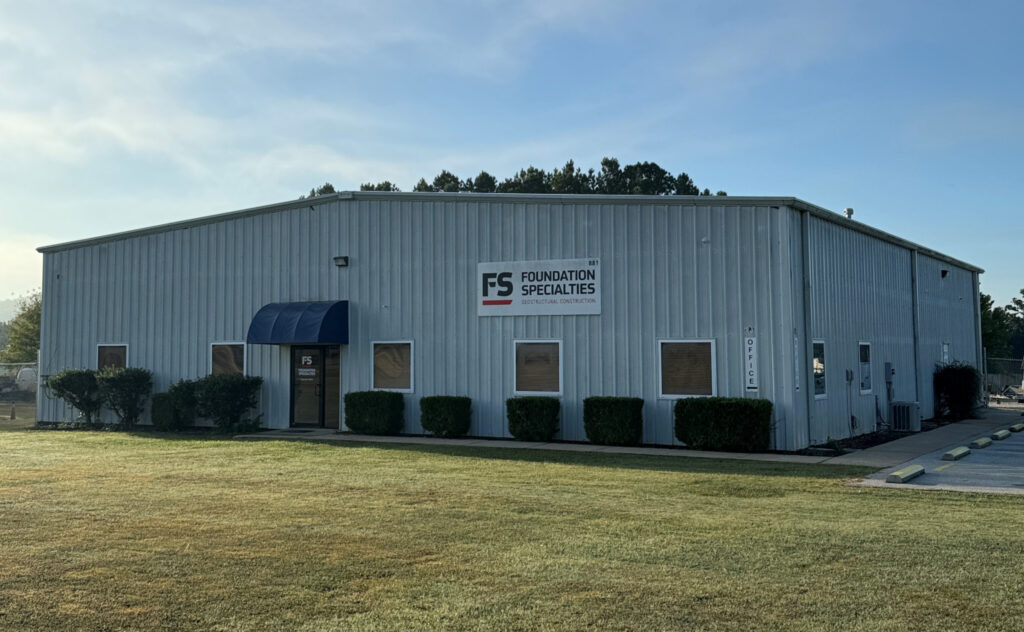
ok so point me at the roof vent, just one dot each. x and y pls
(848, 212)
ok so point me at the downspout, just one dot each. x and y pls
(977, 333)
(917, 327)
(805, 240)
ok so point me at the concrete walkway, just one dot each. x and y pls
(887, 455)
(910, 447)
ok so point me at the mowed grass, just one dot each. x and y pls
(115, 531)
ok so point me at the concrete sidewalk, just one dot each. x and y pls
(915, 445)
(882, 456)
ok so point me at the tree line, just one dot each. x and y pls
(1002, 328)
(640, 178)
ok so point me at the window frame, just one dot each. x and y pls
(871, 368)
(412, 365)
(714, 367)
(245, 354)
(824, 349)
(96, 357)
(561, 364)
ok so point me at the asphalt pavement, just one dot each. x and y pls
(997, 468)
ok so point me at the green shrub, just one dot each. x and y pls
(956, 390)
(125, 391)
(722, 423)
(183, 404)
(162, 412)
(446, 415)
(78, 387)
(374, 412)
(227, 399)
(533, 418)
(614, 420)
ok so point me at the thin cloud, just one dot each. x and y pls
(964, 123)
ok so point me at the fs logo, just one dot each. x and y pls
(502, 281)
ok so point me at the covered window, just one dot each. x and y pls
(818, 364)
(687, 368)
(392, 366)
(865, 368)
(227, 358)
(111, 356)
(538, 366)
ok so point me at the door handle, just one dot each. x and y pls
(316, 390)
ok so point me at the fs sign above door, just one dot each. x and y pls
(528, 288)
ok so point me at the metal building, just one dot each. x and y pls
(490, 295)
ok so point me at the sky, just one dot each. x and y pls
(117, 115)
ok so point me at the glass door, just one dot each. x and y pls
(307, 386)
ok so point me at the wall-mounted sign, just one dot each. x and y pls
(750, 362)
(527, 288)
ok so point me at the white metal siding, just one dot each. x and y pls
(947, 314)
(860, 291)
(677, 269)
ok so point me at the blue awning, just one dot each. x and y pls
(315, 323)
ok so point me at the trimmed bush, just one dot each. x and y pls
(533, 418)
(78, 387)
(723, 423)
(374, 412)
(446, 415)
(125, 392)
(227, 399)
(614, 420)
(957, 388)
(162, 412)
(183, 404)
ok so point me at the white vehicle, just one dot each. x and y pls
(27, 380)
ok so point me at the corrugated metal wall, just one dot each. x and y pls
(678, 269)
(860, 291)
(946, 307)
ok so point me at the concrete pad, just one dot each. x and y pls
(1016, 427)
(980, 443)
(905, 474)
(909, 448)
(956, 453)
(999, 469)
(1000, 435)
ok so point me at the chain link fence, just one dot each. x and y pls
(1004, 377)
(19, 381)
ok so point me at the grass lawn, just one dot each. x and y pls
(115, 531)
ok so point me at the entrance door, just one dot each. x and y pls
(316, 386)
(307, 386)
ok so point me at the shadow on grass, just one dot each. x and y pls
(690, 465)
(658, 463)
(649, 462)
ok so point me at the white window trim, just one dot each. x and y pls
(871, 367)
(245, 355)
(561, 364)
(714, 367)
(96, 356)
(412, 364)
(825, 347)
